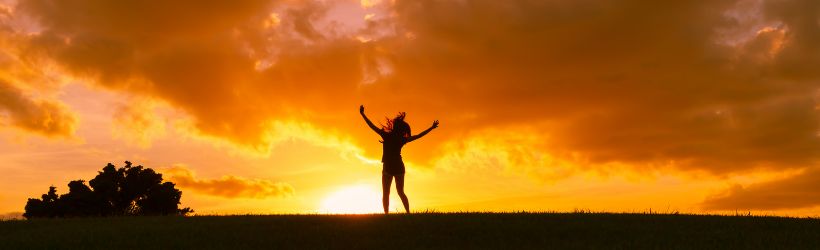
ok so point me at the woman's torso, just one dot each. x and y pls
(391, 148)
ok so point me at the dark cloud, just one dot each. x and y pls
(228, 186)
(799, 191)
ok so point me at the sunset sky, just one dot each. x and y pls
(251, 106)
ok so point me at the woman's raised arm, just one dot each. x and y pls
(369, 123)
(415, 137)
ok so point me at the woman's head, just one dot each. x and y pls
(397, 126)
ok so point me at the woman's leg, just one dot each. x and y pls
(400, 190)
(386, 181)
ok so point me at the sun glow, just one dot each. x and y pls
(359, 199)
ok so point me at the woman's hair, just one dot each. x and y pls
(397, 125)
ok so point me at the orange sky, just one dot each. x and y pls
(251, 105)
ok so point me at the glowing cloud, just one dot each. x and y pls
(228, 186)
(137, 123)
(799, 191)
(486, 64)
(42, 117)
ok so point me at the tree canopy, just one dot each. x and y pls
(129, 190)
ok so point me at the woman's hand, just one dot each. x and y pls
(435, 124)
(361, 109)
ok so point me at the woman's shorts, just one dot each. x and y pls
(393, 168)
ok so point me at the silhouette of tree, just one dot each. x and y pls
(44, 207)
(114, 191)
(79, 201)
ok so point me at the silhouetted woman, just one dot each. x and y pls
(394, 135)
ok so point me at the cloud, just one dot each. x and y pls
(138, 123)
(799, 191)
(641, 83)
(202, 60)
(508, 151)
(28, 88)
(43, 117)
(632, 82)
(227, 186)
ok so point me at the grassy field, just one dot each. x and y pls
(426, 230)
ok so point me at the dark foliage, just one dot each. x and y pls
(114, 191)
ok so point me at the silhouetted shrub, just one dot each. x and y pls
(114, 191)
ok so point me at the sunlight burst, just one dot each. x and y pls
(359, 199)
